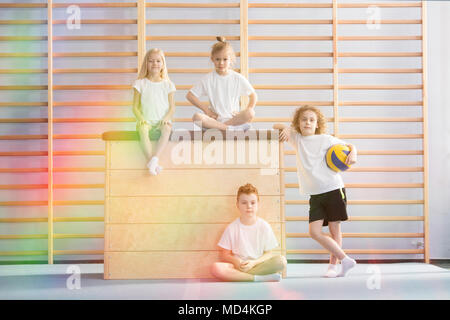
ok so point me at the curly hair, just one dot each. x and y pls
(321, 120)
(247, 189)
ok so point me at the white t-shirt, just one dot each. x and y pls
(223, 92)
(248, 242)
(314, 176)
(154, 98)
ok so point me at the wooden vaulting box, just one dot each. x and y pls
(168, 226)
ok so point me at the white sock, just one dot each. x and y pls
(332, 271)
(243, 127)
(347, 263)
(267, 277)
(152, 164)
(158, 169)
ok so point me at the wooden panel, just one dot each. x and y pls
(159, 265)
(167, 237)
(188, 154)
(184, 209)
(191, 182)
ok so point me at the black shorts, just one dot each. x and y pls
(329, 206)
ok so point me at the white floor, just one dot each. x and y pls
(304, 281)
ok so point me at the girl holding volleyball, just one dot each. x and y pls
(153, 106)
(223, 87)
(325, 187)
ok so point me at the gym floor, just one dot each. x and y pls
(392, 281)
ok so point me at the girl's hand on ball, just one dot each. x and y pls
(351, 158)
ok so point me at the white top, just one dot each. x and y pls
(248, 242)
(314, 176)
(223, 91)
(154, 98)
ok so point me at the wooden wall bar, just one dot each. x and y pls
(28, 169)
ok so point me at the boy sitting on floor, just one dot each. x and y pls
(246, 244)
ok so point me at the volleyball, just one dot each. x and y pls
(336, 156)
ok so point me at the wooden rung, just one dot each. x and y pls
(92, 103)
(372, 169)
(380, 70)
(381, 119)
(22, 186)
(23, 120)
(382, 38)
(98, 5)
(293, 70)
(24, 137)
(380, 103)
(23, 153)
(93, 87)
(78, 219)
(93, 54)
(371, 218)
(380, 87)
(23, 104)
(290, 54)
(83, 120)
(23, 253)
(22, 54)
(290, 5)
(293, 103)
(362, 235)
(361, 251)
(76, 38)
(22, 203)
(192, 5)
(23, 38)
(377, 152)
(363, 202)
(23, 236)
(100, 169)
(99, 21)
(379, 54)
(190, 38)
(293, 87)
(380, 136)
(78, 153)
(23, 220)
(22, 71)
(77, 252)
(202, 21)
(292, 38)
(79, 186)
(371, 185)
(381, 5)
(22, 22)
(23, 5)
(22, 170)
(85, 70)
(78, 202)
(286, 21)
(77, 136)
(405, 21)
(23, 87)
(76, 236)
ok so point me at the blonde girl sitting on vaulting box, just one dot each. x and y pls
(223, 87)
(153, 106)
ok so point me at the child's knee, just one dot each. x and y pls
(197, 117)
(216, 270)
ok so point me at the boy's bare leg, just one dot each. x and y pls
(273, 265)
(227, 272)
(208, 122)
(315, 231)
(336, 234)
(242, 117)
(144, 140)
(162, 142)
